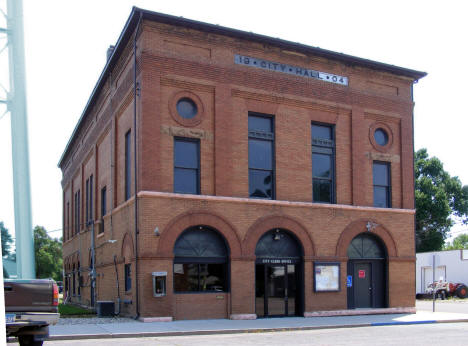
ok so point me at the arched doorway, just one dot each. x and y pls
(367, 272)
(278, 275)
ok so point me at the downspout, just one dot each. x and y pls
(118, 288)
(414, 187)
(136, 90)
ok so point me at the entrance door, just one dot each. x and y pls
(275, 290)
(363, 285)
(367, 272)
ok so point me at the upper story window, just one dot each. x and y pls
(89, 200)
(68, 221)
(186, 165)
(261, 157)
(187, 108)
(381, 137)
(128, 163)
(103, 206)
(323, 163)
(76, 215)
(382, 186)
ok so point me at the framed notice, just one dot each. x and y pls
(326, 277)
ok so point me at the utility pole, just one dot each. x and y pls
(16, 105)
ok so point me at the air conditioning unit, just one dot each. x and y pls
(105, 309)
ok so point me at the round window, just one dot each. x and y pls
(381, 137)
(187, 108)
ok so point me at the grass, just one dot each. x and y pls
(68, 310)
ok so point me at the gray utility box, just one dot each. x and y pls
(105, 309)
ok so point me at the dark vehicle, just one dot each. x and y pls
(30, 307)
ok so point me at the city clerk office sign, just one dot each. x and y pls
(289, 69)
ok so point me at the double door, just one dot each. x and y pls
(276, 290)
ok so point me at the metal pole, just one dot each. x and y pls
(19, 143)
(93, 263)
(433, 282)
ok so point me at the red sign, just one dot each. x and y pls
(362, 274)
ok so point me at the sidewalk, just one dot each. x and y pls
(131, 328)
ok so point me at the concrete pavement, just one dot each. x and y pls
(131, 328)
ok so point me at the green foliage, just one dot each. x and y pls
(438, 196)
(459, 243)
(48, 254)
(7, 240)
(72, 310)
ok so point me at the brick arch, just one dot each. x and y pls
(267, 223)
(358, 227)
(127, 248)
(194, 218)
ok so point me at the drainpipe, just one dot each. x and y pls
(136, 90)
(414, 186)
(93, 265)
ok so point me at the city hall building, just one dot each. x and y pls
(217, 173)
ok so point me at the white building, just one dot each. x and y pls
(451, 266)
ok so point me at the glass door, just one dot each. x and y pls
(275, 290)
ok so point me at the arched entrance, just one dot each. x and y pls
(367, 272)
(278, 275)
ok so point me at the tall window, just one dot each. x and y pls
(128, 162)
(89, 200)
(128, 277)
(382, 186)
(323, 162)
(103, 206)
(68, 220)
(261, 157)
(200, 261)
(186, 165)
(77, 213)
(86, 202)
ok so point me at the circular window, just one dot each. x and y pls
(187, 108)
(381, 137)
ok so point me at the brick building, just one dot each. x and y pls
(272, 178)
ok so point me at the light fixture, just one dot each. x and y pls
(156, 232)
(277, 235)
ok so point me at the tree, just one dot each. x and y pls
(48, 254)
(438, 198)
(7, 240)
(460, 242)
